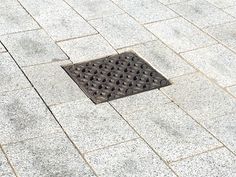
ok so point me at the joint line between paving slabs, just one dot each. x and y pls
(165, 162)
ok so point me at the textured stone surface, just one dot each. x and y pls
(92, 126)
(180, 35)
(2, 49)
(217, 62)
(58, 19)
(33, 47)
(122, 31)
(201, 13)
(87, 48)
(5, 169)
(146, 11)
(53, 155)
(215, 163)
(163, 59)
(10, 75)
(133, 158)
(232, 90)
(231, 10)
(199, 97)
(223, 3)
(23, 115)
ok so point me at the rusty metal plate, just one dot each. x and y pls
(115, 77)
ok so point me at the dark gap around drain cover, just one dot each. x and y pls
(114, 77)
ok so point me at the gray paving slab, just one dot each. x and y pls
(223, 3)
(212, 164)
(133, 158)
(231, 10)
(2, 49)
(146, 11)
(232, 90)
(5, 169)
(91, 9)
(53, 84)
(171, 132)
(180, 35)
(201, 13)
(58, 19)
(52, 155)
(223, 128)
(87, 48)
(140, 101)
(13, 18)
(23, 115)
(32, 48)
(10, 75)
(199, 97)
(225, 34)
(122, 30)
(92, 126)
(217, 62)
(163, 59)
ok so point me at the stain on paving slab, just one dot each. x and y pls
(115, 77)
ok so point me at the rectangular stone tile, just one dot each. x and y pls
(217, 62)
(232, 90)
(2, 49)
(122, 30)
(201, 13)
(92, 126)
(58, 19)
(225, 33)
(231, 10)
(11, 77)
(171, 132)
(53, 83)
(161, 58)
(52, 155)
(146, 11)
(91, 9)
(5, 169)
(87, 48)
(132, 158)
(32, 48)
(223, 3)
(223, 128)
(23, 115)
(13, 18)
(180, 35)
(217, 163)
(199, 97)
(140, 101)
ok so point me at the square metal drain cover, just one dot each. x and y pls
(115, 77)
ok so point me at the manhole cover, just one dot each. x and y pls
(115, 77)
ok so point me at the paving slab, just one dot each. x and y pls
(2, 48)
(5, 169)
(163, 59)
(225, 34)
(223, 3)
(32, 48)
(201, 13)
(180, 35)
(52, 155)
(201, 98)
(92, 126)
(217, 62)
(231, 10)
(11, 76)
(58, 19)
(122, 30)
(13, 18)
(146, 11)
(23, 115)
(87, 48)
(139, 102)
(223, 128)
(92, 9)
(215, 163)
(232, 90)
(133, 158)
(171, 132)
(53, 83)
